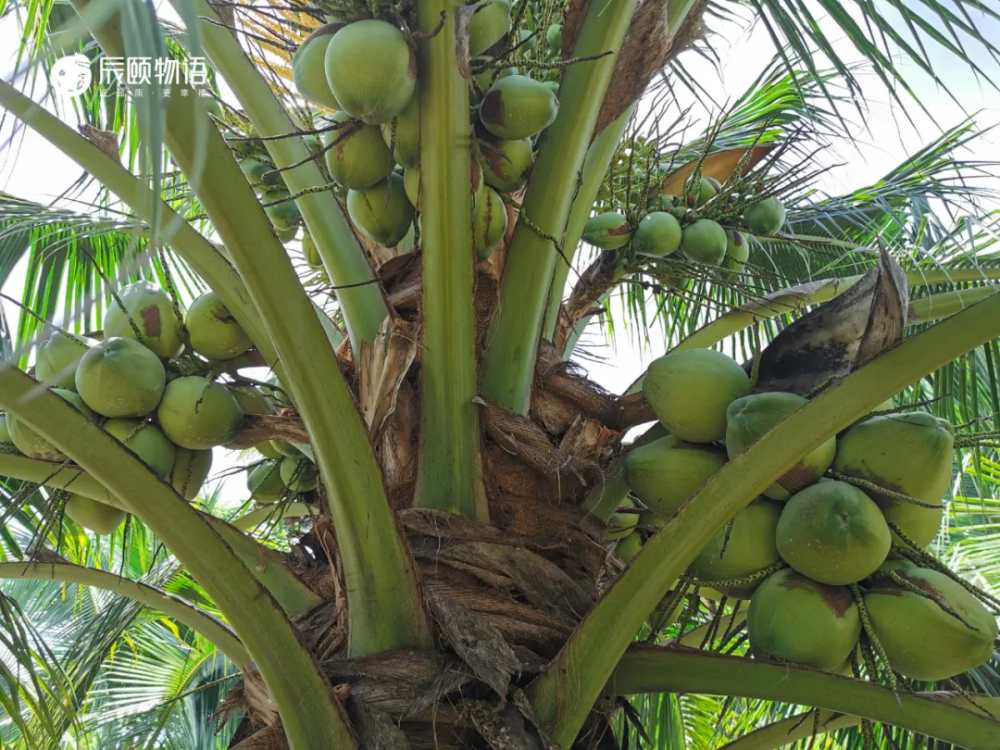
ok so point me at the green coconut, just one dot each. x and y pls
(553, 37)
(628, 547)
(488, 26)
(529, 38)
(265, 483)
(371, 70)
(489, 223)
(146, 441)
(518, 107)
(311, 253)
(5, 431)
(283, 448)
(152, 311)
(690, 392)
(190, 471)
(911, 454)
(665, 202)
(740, 550)
(608, 231)
(383, 212)
(406, 150)
(411, 185)
(299, 473)
(120, 378)
(286, 234)
(737, 252)
(701, 192)
(309, 69)
(252, 399)
(621, 524)
(33, 445)
(284, 213)
(930, 638)
(213, 331)
(833, 533)
(198, 414)
(665, 473)
(748, 418)
(794, 619)
(506, 164)
(765, 217)
(267, 450)
(658, 235)
(261, 175)
(360, 159)
(704, 241)
(58, 359)
(97, 517)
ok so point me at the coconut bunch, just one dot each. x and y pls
(712, 224)
(831, 557)
(150, 382)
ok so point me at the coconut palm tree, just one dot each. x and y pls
(452, 580)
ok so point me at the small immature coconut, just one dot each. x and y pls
(286, 234)
(383, 212)
(406, 150)
(261, 175)
(628, 547)
(311, 253)
(252, 399)
(621, 524)
(33, 445)
(371, 70)
(152, 311)
(146, 441)
(909, 453)
(737, 252)
(833, 533)
(299, 473)
(198, 414)
(213, 330)
(360, 159)
(488, 26)
(608, 231)
(553, 37)
(309, 69)
(704, 241)
(701, 192)
(658, 235)
(690, 392)
(489, 222)
(265, 483)
(665, 473)
(748, 418)
(518, 107)
(58, 359)
(97, 517)
(190, 471)
(766, 217)
(745, 548)
(267, 450)
(794, 619)
(934, 637)
(283, 447)
(411, 185)
(506, 164)
(120, 377)
(529, 38)
(284, 213)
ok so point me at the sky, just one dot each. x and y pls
(39, 172)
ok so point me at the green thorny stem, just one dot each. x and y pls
(385, 607)
(361, 304)
(512, 342)
(310, 715)
(449, 475)
(565, 693)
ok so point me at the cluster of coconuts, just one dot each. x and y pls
(831, 533)
(699, 225)
(134, 385)
(366, 72)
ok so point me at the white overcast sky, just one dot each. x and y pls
(39, 172)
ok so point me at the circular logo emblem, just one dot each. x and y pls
(71, 75)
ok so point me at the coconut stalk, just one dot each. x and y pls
(386, 611)
(564, 694)
(657, 670)
(509, 356)
(344, 259)
(311, 716)
(449, 474)
(149, 596)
